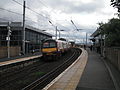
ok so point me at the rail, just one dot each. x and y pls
(43, 81)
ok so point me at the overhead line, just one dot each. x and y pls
(17, 2)
(13, 12)
(35, 12)
(43, 3)
(10, 11)
(48, 19)
(31, 9)
(66, 28)
(73, 35)
(47, 6)
(4, 19)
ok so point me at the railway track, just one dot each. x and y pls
(20, 74)
(47, 78)
(44, 69)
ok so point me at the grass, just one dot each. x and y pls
(38, 73)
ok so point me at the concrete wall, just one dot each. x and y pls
(113, 55)
(14, 51)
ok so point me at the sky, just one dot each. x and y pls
(86, 14)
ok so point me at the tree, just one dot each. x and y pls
(111, 30)
(116, 4)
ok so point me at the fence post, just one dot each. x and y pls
(119, 60)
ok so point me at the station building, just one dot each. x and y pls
(33, 38)
(98, 41)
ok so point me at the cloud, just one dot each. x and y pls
(85, 14)
(76, 6)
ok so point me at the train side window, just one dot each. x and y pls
(45, 45)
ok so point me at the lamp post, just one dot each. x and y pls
(23, 46)
(101, 44)
(74, 24)
(86, 38)
(8, 39)
(56, 32)
(59, 32)
(55, 29)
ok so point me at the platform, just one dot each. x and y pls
(88, 72)
(20, 59)
(96, 75)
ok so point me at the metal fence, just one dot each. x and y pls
(113, 55)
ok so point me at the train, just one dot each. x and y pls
(55, 48)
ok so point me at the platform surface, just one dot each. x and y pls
(19, 59)
(95, 75)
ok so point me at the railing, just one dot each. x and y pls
(113, 55)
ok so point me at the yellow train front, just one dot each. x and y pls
(50, 48)
(54, 48)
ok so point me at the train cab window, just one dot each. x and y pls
(49, 44)
(52, 44)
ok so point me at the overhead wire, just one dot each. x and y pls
(62, 25)
(10, 11)
(47, 6)
(27, 18)
(52, 10)
(73, 34)
(14, 12)
(4, 19)
(65, 30)
(35, 11)
(43, 4)
(17, 2)
(29, 9)
(48, 19)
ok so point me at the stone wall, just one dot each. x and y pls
(14, 51)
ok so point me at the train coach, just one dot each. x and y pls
(51, 47)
